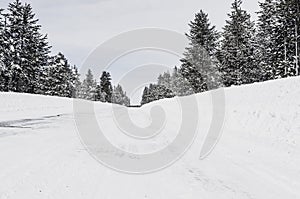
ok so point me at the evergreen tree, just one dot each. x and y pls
(88, 88)
(238, 54)
(2, 50)
(60, 81)
(267, 45)
(27, 49)
(106, 87)
(286, 33)
(76, 84)
(119, 96)
(202, 33)
(156, 92)
(192, 73)
(12, 23)
(2, 71)
(145, 96)
(165, 80)
(179, 85)
(100, 96)
(279, 37)
(202, 49)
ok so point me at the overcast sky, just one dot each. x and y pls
(77, 27)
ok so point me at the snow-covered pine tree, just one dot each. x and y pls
(297, 39)
(191, 72)
(202, 33)
(13, 24)
(152, 93)
(88, 88)
(145, 96)
(203, 39)
(164, 80)
(287, 37)
(179, 85)
(279, 37)
(100, 96)
(2, 49)
(266, 43)
(60, 81)
(76, 84)
(106, 86)
(156, 92)
(237, 54)
(119, 96)
(28, 49)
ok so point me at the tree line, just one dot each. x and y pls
(27, 66)
(104, 91)
(244, 52)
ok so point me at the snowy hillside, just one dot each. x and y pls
(257, 157)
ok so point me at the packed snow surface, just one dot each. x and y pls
(257, 156)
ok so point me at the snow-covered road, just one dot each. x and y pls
(258, 156)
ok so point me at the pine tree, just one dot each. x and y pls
(12, 44)
(286, 33)
(2, 51)
(238, 47)
(106, 87)
(145, 96)
(179, 85)
(2, 71)
(88, 88)
(279, 37)
(156, 92)
(196, 66)
(27, 51)
(267, 46)
(76, 84)
(119, 96)
(202, 33)
(100, 96)
(60, 81)
(165, 80)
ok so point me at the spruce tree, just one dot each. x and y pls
(12, 57)
(88, 88)
(179, 85)
(238, 48)
(156, 92)
(165, 79)
(145, 96)
(279, 37)
(266, 27)
(119, 96)
(100, 96)
(60, 81)
(28, 49)
(2, 51)
(287, 37)
(202, 49)
(76, 84)
(106, 87)
(202, 33)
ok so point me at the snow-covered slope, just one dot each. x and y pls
(257, 156)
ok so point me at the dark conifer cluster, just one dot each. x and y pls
(244, 52)
(27, 66)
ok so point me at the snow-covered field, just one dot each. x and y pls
(257, 157)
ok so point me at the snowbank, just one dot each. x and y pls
(257, 156)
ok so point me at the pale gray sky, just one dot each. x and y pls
(77, 27)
